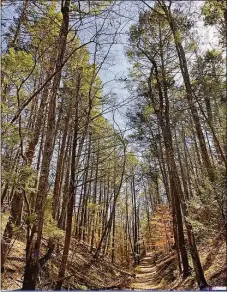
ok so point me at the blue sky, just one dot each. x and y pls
(118, 65)
(120, 68)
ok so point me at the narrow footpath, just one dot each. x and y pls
(145, 276)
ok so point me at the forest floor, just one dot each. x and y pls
(83, 271)
(86, 273)
(162, 274)
(145, 275)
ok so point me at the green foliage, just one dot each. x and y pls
(213, 55)
(178, 36)
(93, 8)
(93, 206)
(150, 39)
(132, 160)
(196, 225)
(213, 11)
(11, 135)
(17, 65)
(193, 46)
(200, 208)
(31, 218)
(147, 111)
(50, 226)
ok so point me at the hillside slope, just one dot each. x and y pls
(160, 271)
(83, 272)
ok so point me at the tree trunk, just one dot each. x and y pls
(17, 208)
(62, 217)
(58, 178)
(190, 93)
(29, 282)
(6, 241)
(162, 113)
(71, 197)
(191, 238)
(21, 19)
(109, 223)
(135, 233)
(94, 199)
(4, 192)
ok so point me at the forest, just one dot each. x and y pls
(113, 145)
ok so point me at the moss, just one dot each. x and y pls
(211, 269)
(4, 219)
(50, 226)
(137, 269)
(163, 282)
(83, 287)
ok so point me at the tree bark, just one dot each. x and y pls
(190, 93)
(17, 208)
(109, 223)
(6, 241)
(162, 113)
(62, 217)
(72, 188)
(29, 282)
(191, 238)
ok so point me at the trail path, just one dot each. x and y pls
(145, 277)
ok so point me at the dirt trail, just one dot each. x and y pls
(145, 277)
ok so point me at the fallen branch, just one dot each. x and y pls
(117, 284)
(222, 270)
(19, 259)
(163, 259)
(51, 282)
(166, 261)
(122, 272)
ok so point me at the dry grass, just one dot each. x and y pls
(83, 271)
